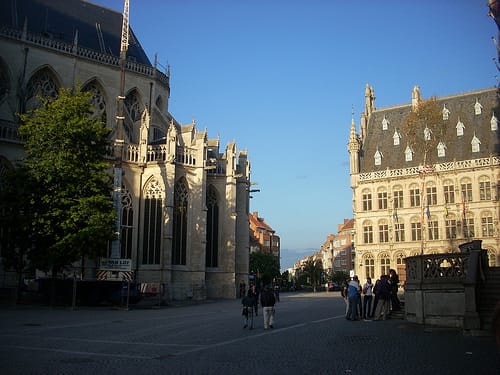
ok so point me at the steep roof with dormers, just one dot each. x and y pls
(99, 28)
(461, 107)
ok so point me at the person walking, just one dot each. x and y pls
(253, 291)
(367, 298)
(267, 301)
(248, 303)
(243, 288)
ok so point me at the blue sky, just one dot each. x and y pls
(280, 77)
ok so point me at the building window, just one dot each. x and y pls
(494, 123)
(398, 198)
(478, 108)
(466, 188)
(468, 223)
(441, 150)
(179, 241)
(385, 264)
(408, 154)
(378, 158)
(446, 112)
(460, 128)
(382, 200)
(427, 134)
(400, 232)
(383, 231)
(451, 228)
(433, 229)
(449, 193)
(416, 230)
(369, 267)
(385, 123)
(212, 247)
(431, 195)
(367, 233)
(487, 225)
(475, 144)
(484, 189)
(367, 201)
(492, 258)
(400, 259)
(127, 225)
(396, 138)
(153, 200)
(414, 197)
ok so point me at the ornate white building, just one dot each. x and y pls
(184, 214)
(402, 208)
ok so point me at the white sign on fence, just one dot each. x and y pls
(116, 264)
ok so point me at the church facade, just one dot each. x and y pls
(184, 197)
(404, 206)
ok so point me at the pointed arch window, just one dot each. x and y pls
(179, 246)
(153, 199)
(98, 100)
(212, 247)
(42, 84)
(133, 109)
(4, 81)
(127, 224)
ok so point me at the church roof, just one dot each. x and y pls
(458, 148)
(99, 28)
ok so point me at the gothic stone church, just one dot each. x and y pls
(171, 172)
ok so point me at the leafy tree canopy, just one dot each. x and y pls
(70, 198)
(266, 265)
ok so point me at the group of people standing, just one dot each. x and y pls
(267, 298)
(372, 301)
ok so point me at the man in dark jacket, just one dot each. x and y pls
(267, 301)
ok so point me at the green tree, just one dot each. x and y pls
(72, 208)
(265, 265)
(312, 269)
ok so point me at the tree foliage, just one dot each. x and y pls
(427, 116)
(69, 200)
(266, 265)
(312, 269)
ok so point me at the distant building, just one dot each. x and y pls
(403, 207)
(262, 236)
(338, 249)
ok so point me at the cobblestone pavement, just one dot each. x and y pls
(311, 336)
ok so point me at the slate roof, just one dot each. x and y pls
(59, 20)
(457, 148)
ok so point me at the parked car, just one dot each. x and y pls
(333, 287)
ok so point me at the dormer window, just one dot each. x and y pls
(396, 137)
(475, 144)
(441, 148)
(385, 123)
(478, 108)
(408, 154)
(460, 128)
(494, 122)
(446, 112)
(427, 134)
(378, 158)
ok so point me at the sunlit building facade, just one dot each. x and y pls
(404, 208)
